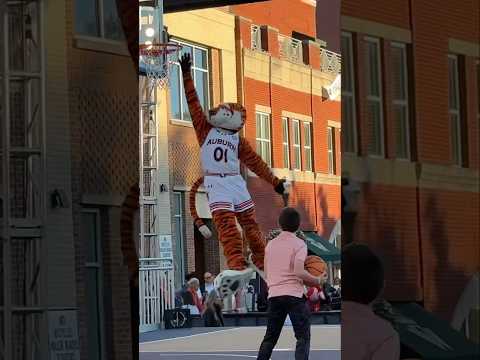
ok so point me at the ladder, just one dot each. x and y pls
(23, 325)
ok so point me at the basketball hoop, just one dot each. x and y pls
(156, 62)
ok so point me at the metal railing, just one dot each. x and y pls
(290, 49)
(256, 37)
(331, 62)
(157, 292)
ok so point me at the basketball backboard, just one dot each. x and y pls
(150, 26)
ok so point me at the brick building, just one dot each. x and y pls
(410, 118)
(69, 94)
(267, 57)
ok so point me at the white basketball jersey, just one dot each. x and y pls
(220, 153)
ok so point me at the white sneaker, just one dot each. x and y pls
(228, 282)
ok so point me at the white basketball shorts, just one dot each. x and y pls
(227, 193)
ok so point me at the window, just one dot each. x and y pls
(286, 143)
(331, 150)
(374, 116)
(454, 110)
(349, 140)
(263, 137)
(400, 107)
(98, 18)
(178, 233)
(90, 235)
(296, 146)
(307, 146)
(178, 101)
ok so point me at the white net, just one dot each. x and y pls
(155, 60)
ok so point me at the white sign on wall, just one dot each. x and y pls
(166, 252)
(63, 335)
(165, 243)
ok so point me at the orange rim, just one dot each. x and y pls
(159, 49)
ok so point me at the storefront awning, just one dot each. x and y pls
(424, 335)
(321, 247)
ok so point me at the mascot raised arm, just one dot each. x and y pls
(222, 150)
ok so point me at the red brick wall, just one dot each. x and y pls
(450, 245)
(388, 219)
(318, 204)
(328, 207)
(393, 12)
(285, 15)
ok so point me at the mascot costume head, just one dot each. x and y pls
(228, 116)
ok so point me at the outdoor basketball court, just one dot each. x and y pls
(239, 343)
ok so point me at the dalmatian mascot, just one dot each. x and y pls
(222, 150)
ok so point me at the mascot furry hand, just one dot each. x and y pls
(222, 150)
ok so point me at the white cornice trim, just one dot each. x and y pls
(394, 33)
(296, 116)
(307, 176)
(463, 47)
(409, 174)
(263, 108)
(310, 2)
(448, 178)
(335, 124)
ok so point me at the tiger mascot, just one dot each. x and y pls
(222, 149)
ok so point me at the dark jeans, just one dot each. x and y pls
(278, 309)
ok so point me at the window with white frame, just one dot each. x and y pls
(263, 137)
(307, 145)
(179, 240)
(178, 102)
(454, 110)
(331, 150)
(297, 152)
(286, 143)
(349, 140)
(400, 108)
(99, 19)
(374, 116)
(91, 236)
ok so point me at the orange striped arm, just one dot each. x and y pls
(200, 123)
(255, 163)
(193, 209)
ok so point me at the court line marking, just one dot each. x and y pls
(217, 351)
(229, 355)
(223, 330)
(189, 336)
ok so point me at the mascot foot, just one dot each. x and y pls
(254, 267)
(228, 282)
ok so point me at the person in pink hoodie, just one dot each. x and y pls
(285, 276)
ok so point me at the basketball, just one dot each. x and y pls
(315, 265)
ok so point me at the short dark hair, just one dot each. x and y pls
(362, 274)
(289, 219)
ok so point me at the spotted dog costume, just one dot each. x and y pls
(222, 151)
